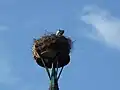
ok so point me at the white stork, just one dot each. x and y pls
(59, 32)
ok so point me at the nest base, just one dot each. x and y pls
(48, 56)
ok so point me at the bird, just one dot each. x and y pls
(59, 32)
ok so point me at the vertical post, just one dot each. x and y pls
(54, 80)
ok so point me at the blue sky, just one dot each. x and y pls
(95, 59)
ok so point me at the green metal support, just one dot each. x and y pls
(53, 75)
(54, 80)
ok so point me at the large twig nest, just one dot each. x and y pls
(48, 45)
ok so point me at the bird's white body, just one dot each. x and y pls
(59, 32)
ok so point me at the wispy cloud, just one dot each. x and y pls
(7, 77)
(3, 28)
(105, 27)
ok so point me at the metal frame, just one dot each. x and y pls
(53, 74)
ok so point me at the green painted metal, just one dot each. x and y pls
(53, 75)
(54, 80)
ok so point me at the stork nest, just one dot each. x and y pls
(53, 42)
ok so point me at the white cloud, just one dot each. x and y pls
(7, 77)
(105, 27)
(3, 28)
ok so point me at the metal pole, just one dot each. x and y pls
(54, 80)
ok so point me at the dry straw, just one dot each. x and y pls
(48, 42)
